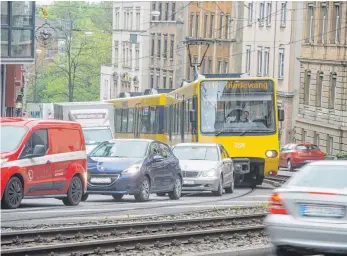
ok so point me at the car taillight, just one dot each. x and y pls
(276, 206)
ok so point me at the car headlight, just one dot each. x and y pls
(135, 168)
(3, 160)
(271, 153)
(209, 173)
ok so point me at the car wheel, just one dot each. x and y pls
(84, 197)
(144, 193)
(230, 189)
(75, 192)
(219, 192)
(175, 194)
(289, 165)
(161, 194)
(13, 194)
(117, 197)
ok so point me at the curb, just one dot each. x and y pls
(256, 251)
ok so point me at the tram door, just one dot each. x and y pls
(137, 122)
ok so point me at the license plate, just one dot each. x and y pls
(322, 211)
(100, 180)
(188, 182)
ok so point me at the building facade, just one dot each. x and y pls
(130, 50)
(211, 21)
(322, 117)
(267, 44)
(17, 48)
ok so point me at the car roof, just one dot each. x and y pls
(32, 122)
(197, 144)
(329, 162)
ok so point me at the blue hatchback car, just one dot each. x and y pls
(133, 166)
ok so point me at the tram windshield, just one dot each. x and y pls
(245, 107)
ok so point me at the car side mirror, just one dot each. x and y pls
(39, 150)
(158, 158)
(227, 160)
(280, 114)
(192, 116)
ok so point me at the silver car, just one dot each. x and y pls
(308, 213)
(205, 167)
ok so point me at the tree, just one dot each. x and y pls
(75, 72)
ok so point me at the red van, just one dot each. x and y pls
(42, 158)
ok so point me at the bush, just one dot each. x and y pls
(341, 155)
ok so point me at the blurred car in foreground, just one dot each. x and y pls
(308, 213)
(294, 156)
(133, 166)
(205, 167)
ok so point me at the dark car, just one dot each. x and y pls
(133, 166)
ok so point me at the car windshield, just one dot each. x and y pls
(124, 149)
(237, 106)
(11, 136)
(196, 153)
(316, 176)
(96, 136)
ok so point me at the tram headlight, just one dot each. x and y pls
(271, 153)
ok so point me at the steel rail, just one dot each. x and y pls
(37, 235)
(117, 244)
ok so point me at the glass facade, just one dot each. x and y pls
(17, 31)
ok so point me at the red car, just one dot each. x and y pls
(296, 155)
(41, 158)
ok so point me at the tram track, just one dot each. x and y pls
(276, 181)
(86, 240)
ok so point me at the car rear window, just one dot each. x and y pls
(320, 176)
(196, 153)
(308, 147)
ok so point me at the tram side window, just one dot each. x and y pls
(186, 116)
(153, 120)
(118, 119)
(178, 111)
(124, 120)
(190, 103)
(131, 120)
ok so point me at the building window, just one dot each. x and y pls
(131, 57)
(212, 26)
(188, 71)
(307, 84)
(323, 22)
(170, 80)
(137, 65)
(203, 65)
(131, 20)
(151, 80)
(303, 135)
(124, 55)
(117, 19)
(248, 59)
(261, 13)
(316, 139)
(138, 18)
(158, 79)
(332, 91)
(219, 66)
(283, 14)
(125, 20)
(191, 24)
(330, 145)
(165, 47)
(310, 23)
(336, 26)
(221, 26)
(166, 11)
(226, 67)
(281, 63)
(227, 26)
(197, 24)
(319, 89)
(205, 25)
(159, 47)
(268, 13)
(259, 60)
(209, 68)
(173, 11)
(250, 13)
(266, 61)
(172, 47)
(153, 9)
(160, 10)
(116, 58)
(164, 81)
(152, 46)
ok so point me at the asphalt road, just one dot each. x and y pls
(98, 207)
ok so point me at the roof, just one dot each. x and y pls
(329, 162)
(31, 122)
(197, 144)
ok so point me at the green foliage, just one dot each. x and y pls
(79, 64)
(341, 155)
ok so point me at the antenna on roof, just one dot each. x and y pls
(194, 63)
